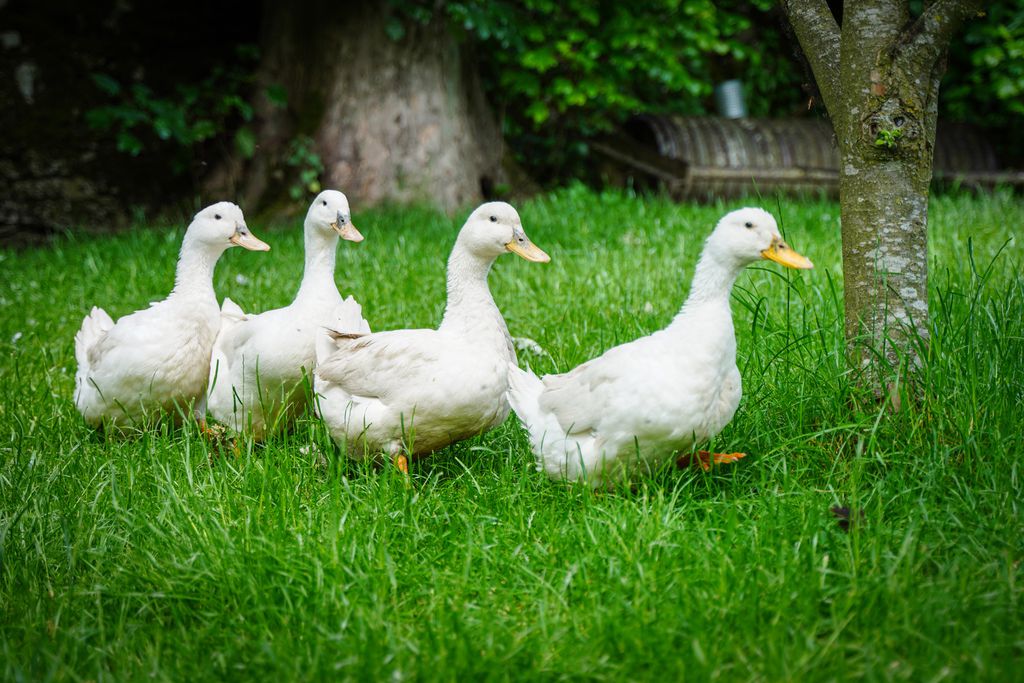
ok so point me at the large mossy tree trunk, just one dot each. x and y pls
(878, 74)
(391, 118)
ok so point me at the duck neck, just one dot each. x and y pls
(711, 286)
(469, 299)
(193, 277)
(318, 273)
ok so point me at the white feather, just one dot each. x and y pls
(638, 404)
(156, 359)
(419, 390)
(261, 362)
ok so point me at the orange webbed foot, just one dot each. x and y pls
(705, 458)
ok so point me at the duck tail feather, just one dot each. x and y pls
(229, 310)
(348, 318)
(94, 326)
(524, 390)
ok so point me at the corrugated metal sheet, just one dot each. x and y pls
(706, 157)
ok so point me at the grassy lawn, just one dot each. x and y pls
(139, 559)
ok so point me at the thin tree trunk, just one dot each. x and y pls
(884, 210)
(879, 78)
(886, 134)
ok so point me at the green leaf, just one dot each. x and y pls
(540, 59)
(162, 128)
(245, 142)
(277, 94)
(203, 130)
(106, 83)
(537, 112)
(395, 28)
(126, 142)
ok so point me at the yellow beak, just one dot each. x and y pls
(246, 239)
(780, 252)
(348, 232)
(522, 246)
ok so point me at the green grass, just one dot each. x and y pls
(139, 559)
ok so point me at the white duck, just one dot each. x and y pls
(157, 359)
(259, 361)
(640, 402)
(415, 391)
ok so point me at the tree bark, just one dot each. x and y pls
(398, 120)
(882, 97)
(886, 141)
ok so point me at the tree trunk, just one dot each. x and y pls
(884, 210)
(879, 78)
(886, 133)
(400, 120)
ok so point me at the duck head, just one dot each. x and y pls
(329, 213)
(221, 226)
(747, 235)
(493, 229)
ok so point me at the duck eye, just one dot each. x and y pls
(748, 224)
(325, 202)
(216, 216)
(494, 219)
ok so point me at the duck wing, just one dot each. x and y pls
(378, 365)
(582, 398)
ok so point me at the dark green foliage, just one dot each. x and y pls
(563, 72)
(306, 165)
(560, 73)
(177, 122)
(984, 83)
